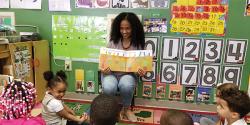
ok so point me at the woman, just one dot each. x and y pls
(126, 34)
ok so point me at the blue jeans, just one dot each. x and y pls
(125, 83)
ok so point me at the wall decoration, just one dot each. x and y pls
(212, 50)
(203, 94)
(169, 73)
(175, 92)
(26, 4)
(151, 75)
(210, 75)
(139, 3)
(155, 25)
(59, 5)
(191, 49)
(151, 43)
(101, 3)
(147, 89)
(170, 48)
(4, 3)
(120, 3)
(189, 74)
(235, 51)
(160, 91)
(199, 17)
(84, 3)
(7, 18)
(159, 3)
(232, 74)
(189, 93)
(247, 8)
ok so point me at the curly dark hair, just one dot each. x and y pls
(54, 79)
(104, 110)
(137, 36)
(238, 101)
(175, 117)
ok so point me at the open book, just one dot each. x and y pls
(125, 61)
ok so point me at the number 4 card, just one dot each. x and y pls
(236, 50)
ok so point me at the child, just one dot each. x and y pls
(104, 110)
(53, 108)
(232, 105)
(16, 102)
(220, 88)
(175, 117)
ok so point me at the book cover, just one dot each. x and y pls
(203, 94)
(125, 61)
(189, 93)
(160, 91)
(175, 92)
(79, 80)
(91, 86)
(152, 25)
(147, 89)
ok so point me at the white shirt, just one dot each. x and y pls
(238, 122)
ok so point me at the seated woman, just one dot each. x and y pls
(126, 34)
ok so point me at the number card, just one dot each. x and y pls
(169, 72)
(191, 49)
(151, 76)
(232, 74)
(212, 50)
(236, 50)
(170, 48)
(189, 74)
(210, 75)
(152, 44)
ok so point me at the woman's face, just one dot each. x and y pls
(125, 29)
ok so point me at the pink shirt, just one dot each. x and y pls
(23, 121)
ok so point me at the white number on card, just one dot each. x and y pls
(169, 73)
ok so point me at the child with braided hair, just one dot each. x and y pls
(16, 102)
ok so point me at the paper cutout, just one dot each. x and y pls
(152, 25)
(125, 61)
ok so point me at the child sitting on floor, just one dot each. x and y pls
(175, 117)
(232, 105)
(104, 110)
(54, 110)
(16, 102)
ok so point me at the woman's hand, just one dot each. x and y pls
(141, 72)
(106, 71)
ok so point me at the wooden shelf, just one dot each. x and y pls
(4, 54)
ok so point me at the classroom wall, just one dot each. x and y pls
(238, 26)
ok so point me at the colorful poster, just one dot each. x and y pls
(26, 4)
(175, 92)
(199, 17)
(203, 94)
(139, 3)
(152, 25)
(159, 3)
(79, 77)
(160, 91)
(59, 5)
(147, 89)
(120, 3)
(7, 18)
(247, 11)
(4, 3)
(84, 4)
(101, 3)
(125, 61)
(189, 94)
(78, 37)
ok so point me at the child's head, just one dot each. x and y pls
(104, 110)
(232, 104)
(57, 84)
(225, 86)
(175, 117)
(17, 100)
